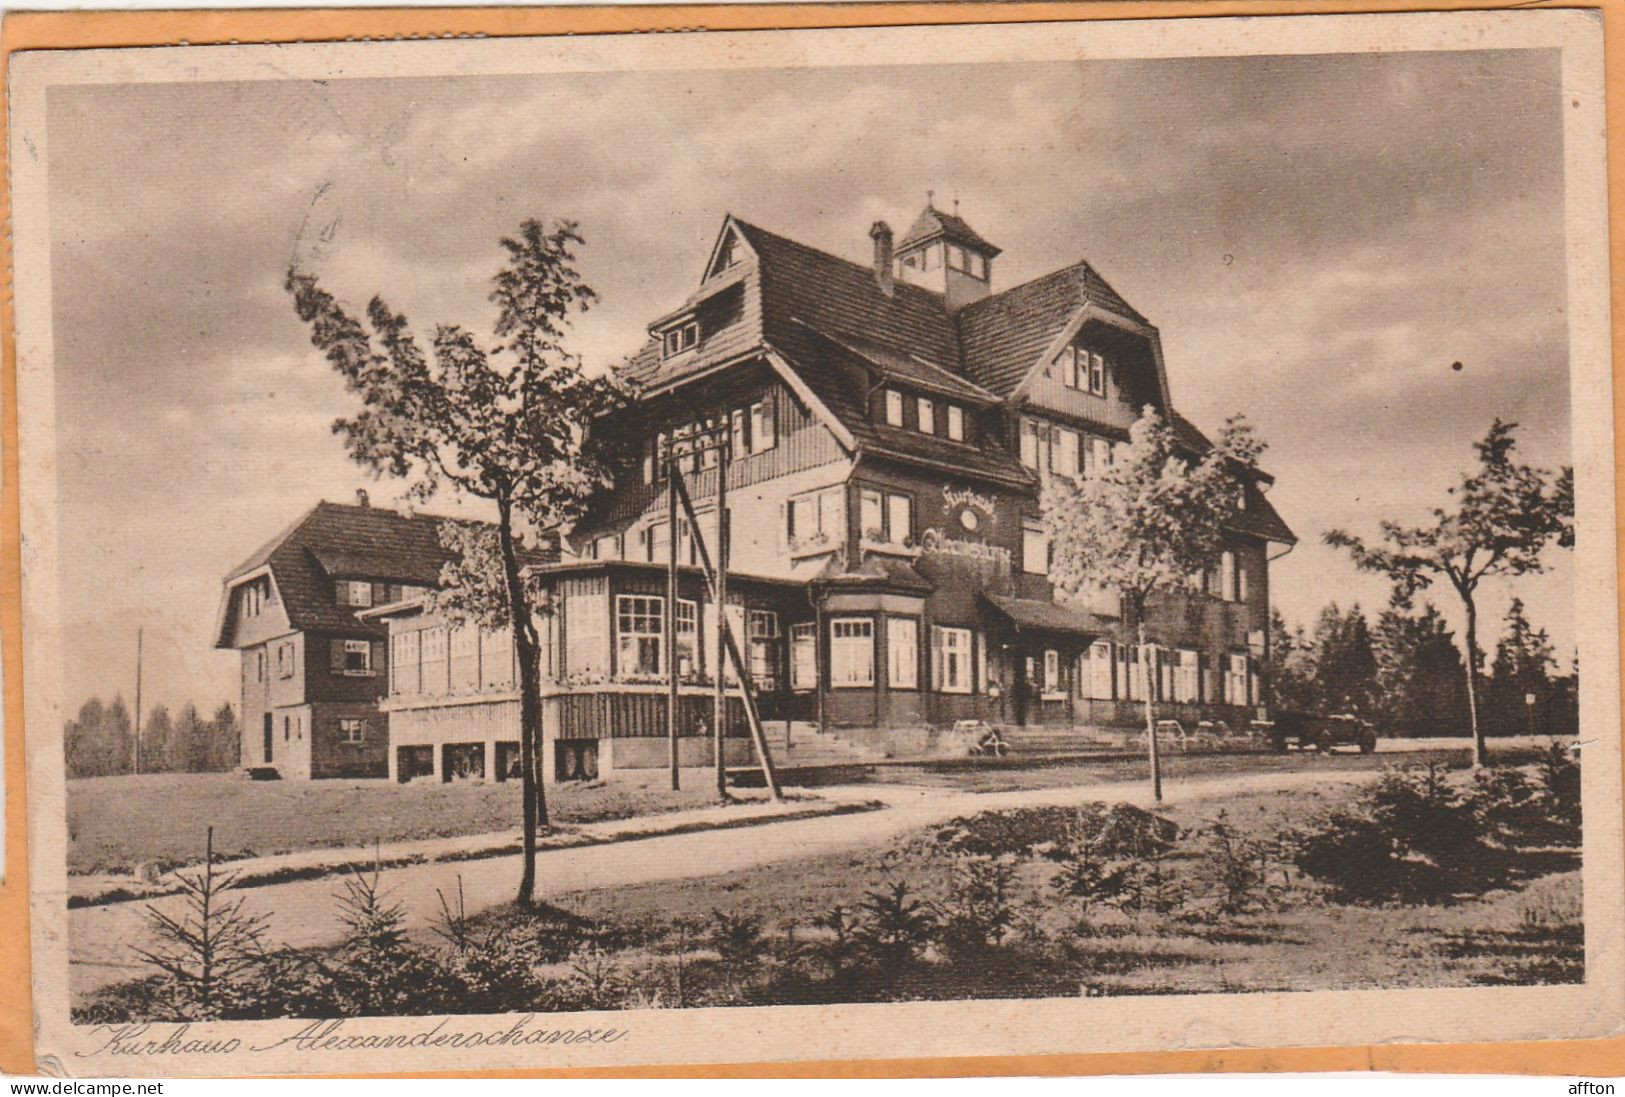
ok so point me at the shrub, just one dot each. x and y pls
(378, 972)
(490, 971)
(1423, 812)
(895, 926)
(210, 953)
(1353, 853)
(843, 945)
(1239, 865)
(595, 979)
(1104, 855)
(978, 911)
(1559, 776)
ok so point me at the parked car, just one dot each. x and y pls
(1308, 731)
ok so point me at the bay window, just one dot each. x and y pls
(852, 652)
(902, 653)
(640, 628)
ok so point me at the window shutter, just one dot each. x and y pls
(335, 650)
(936, 657)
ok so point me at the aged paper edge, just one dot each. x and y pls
(30, 31)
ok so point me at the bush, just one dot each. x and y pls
(978, 911)
(895, 925)
(1424, 813)
(1353, 853)
(1559, 776)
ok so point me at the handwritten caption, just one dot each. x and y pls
(147, 1039)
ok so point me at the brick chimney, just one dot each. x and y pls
(880, 233)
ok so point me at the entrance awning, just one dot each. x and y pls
(1031, 614)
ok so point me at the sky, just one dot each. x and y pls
(1319, 239)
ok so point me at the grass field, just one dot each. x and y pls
(116, 824)
(1527, 931)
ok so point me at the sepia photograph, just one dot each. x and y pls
(544, 551)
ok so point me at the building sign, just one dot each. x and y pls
(966, 513)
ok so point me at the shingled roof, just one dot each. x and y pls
(337, 541)
(933, 223)
(1003, 335)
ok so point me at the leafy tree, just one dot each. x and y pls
(1505, 513)
(1419, 675)
(1345, 663)
(1146, 523)
(507, 424)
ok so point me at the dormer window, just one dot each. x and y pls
(355, 593)
(894, 408)
(1082, 370)
(956, 423)
(682, 338)
(927, 417)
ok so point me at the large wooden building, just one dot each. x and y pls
(891, 425)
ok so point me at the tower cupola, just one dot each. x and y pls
(945, 255)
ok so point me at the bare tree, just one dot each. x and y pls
(508, 424)
(1505, 515)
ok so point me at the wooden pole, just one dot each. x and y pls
(673, 704)
(136, 761)
(720, 730)
(752, 716)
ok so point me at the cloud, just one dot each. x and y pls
(1318, 239)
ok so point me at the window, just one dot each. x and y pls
(465, 659)
(1052, 671)
(956, 423)
(764, 432)
(353, 731)
(355, 593)
(852, 652)
(727, 254)
(688, 638)
(256, 593)
(803, 656)
(284, 660)
(816, 519)
(1097, 373)
(1188, 678)
(886, 517)
(950, 659)
(1029, 443)
(738, 435)
(1241, 581)
(894, 408)
(764, 648)
(927, 413)
(357, 657)
(899, 518)
(1067, 362)
(1235, 680)
(682, 338)
(586, 634)
(1227, 576)
(607, 547)
(434, 660)
(496, 659)
(871, 515)
(1064, 452)
(640, 623)
(1100, 455)
(1034, 548)
(659, 538)
(902, 653)
(1101, 666)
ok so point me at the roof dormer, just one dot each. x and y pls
(942, 253)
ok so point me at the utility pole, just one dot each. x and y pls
(722, 444)
(673, 703)
(136, 761)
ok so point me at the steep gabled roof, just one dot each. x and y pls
(802, 285)
(1003, 335)
(336, 541)
(1260, 519)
